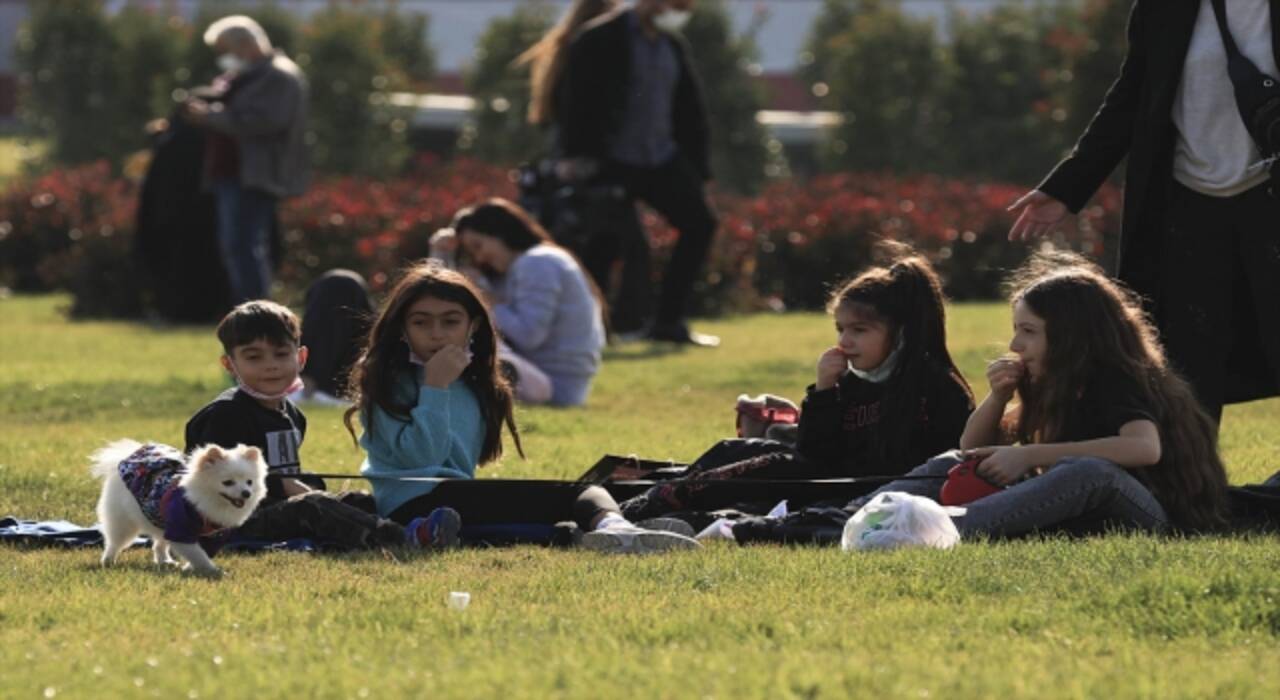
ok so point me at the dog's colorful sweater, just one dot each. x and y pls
(152, 474)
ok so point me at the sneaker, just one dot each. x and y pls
(629, 539)
(439, 530)
(675, 525)
(679, 333)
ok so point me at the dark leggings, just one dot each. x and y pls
(705, 485)
(481, 503)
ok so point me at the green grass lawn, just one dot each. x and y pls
(1110, 617)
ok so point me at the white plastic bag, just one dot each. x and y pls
(897, 519)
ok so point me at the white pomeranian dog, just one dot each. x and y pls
(188, 506)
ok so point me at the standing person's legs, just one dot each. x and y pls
(1083, 495)
(631, 306)
(244, 220)
(676, 191)
(334, 323)
(1196, 291)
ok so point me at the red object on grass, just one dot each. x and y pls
(767, 415)
(965, 485)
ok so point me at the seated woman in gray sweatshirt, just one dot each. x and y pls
(547, 310)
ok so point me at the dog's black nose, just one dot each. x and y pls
(246, 493)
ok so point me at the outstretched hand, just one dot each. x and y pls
(1038, 215)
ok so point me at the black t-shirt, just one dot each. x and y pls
(237, 418)
(1106, 404)
(840, 427)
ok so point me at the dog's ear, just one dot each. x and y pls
(211, 454)
(252, 454)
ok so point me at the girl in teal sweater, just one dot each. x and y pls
(432, 403)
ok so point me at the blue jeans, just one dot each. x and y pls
(245, 217)
(1079, 495)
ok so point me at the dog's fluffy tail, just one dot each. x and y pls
(104, 462)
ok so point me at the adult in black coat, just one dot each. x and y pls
(645, 127)
(176, 242)
(1206, 262)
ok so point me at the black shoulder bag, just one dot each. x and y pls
(1257, 98)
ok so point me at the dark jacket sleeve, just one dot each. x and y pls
(1106, 140)
(587, 93)
(820, 439)
(691, 126)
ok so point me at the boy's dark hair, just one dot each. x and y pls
(259, 320)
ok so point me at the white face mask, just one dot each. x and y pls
(230, 63)
(296, 385)
(671, 20)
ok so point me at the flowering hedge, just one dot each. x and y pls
(72, 229)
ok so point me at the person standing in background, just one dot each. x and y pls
(256, 152)
(632, 113)
(1198, 238)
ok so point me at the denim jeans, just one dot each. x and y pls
(245, 217)
(1079, 495)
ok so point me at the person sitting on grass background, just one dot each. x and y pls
(548, 311)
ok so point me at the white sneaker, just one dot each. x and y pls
(629, 539)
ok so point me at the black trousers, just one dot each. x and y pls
(675, 190)
(337, 317)
(1218, 302)
(346, 520)
(486, 503)
(613, 247)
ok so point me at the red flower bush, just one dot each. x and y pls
(784, 248)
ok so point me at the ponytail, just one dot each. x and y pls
(907, 297)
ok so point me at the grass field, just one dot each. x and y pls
(1103, 618)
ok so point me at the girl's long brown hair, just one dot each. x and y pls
(907, 297)
(1097, 333)
(546, 59)
(385, 357)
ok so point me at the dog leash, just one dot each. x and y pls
(871, 479)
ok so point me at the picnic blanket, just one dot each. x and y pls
(38, 534)
(63, 533)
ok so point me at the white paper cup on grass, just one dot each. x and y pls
(459, 600)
